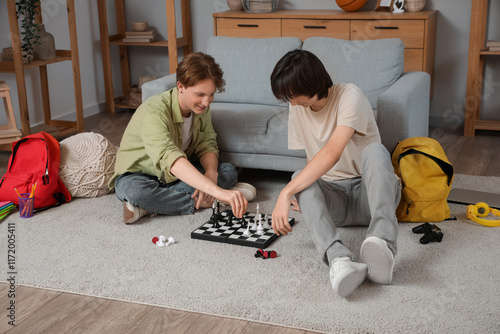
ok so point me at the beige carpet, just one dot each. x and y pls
(84, 247)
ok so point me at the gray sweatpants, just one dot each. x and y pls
(370, 200)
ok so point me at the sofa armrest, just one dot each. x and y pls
(158, 86)
(403, 109)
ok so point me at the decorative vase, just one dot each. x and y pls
(235, 4)
(45, 48)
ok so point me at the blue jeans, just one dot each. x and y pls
(370, 200)
(174, 198)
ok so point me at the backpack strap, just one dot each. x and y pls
(60, 201)
(446, 167)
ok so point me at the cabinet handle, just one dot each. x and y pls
(315, 27)
(248, 25)
(378, 27)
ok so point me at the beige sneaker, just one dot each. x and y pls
(246, 189)
(132, 213)
(347, 275)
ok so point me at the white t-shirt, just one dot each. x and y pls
(187, 131)
(310, 130)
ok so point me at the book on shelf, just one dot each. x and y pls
(138, 40)
(147, 33)
(492, 43)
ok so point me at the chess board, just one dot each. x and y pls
(233, 234)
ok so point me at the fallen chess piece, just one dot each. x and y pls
(431, 233)
(160, 241)
(265, 254)
(170, 241)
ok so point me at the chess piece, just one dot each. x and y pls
(219, 215)
(161, 241)
(247, 232)
(254, 225)
(243, 222)
(214, 218)
(230, 217)
(170, 241)
(266, 222)
(260, 228)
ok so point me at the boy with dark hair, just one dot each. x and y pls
(348, 179)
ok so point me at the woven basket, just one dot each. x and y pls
(8, 55)
(134, 97)
(414, 5)
(140, 26)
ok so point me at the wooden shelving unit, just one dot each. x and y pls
(172, 43)
(475, 70)
(62, 128)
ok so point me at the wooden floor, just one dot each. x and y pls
(47, 311)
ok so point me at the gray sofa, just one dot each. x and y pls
(251, 124)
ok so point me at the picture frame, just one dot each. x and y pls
(384, 5)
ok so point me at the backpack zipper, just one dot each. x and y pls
(45, 177)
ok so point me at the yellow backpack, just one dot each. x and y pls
(426, 176)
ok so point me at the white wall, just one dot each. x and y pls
(447, 106)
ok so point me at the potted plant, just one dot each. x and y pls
(28, 9)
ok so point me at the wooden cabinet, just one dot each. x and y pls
(62, 128)
(416, 29)
(249, 27)
(305, 28)
(172, 43)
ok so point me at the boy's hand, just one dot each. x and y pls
(295, 205)
(236, 200)
(202, 200)
(280, 222)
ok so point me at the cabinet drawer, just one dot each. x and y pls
(308, 28)
(410, 31)
(253, 28)
(414, 60)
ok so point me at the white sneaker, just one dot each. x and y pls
(347, 275)
(379, 258)
(246, 189)
(132, 213)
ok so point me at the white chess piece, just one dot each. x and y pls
(260, 228)
(161, 241)
(247, 231)
(254, 225)
(266, 223)
(170, 241)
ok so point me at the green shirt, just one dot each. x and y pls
(152, 140)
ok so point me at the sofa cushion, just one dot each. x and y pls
(247, 64)
(372, 65)
(242, 127)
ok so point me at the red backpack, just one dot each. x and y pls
(35, 159)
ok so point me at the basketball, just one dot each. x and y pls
(351, 5)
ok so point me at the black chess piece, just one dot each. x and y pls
(230, 217)
(215, 222)
(243, 222)
(214, 218)
(219, 215)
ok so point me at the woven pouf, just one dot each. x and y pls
(87, 164)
